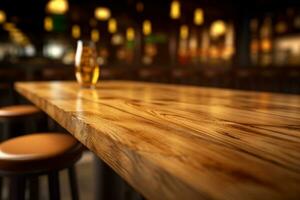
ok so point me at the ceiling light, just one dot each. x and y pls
(112, 25)
(2, 16)
(58, 7)
(198, 16)
(175, 10)
(184, 32)
(217, 28)
(147, 27)
(48, 24)
(130, 34)
(95, 36)
(102, 13)
(75, 31)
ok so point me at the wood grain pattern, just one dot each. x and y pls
(179, 142)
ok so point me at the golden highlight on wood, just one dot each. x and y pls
(179, 142)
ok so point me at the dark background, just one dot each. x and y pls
(239, 71)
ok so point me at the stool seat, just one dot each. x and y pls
(18, 110)
(37, 153)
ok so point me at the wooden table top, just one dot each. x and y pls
(180, 142)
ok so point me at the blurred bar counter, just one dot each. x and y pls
(272, 79)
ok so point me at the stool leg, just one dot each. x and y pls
(73, 183)
(54, 190)
(42, 125)
(17, 188)
(1, 187)
(6, 131)
(109, 185)
(34, 188)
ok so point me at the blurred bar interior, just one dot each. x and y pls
(246, 45)
(252, 45)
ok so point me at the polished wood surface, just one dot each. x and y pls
(179, 142)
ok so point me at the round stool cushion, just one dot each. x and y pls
(38, 152)
(18, 110)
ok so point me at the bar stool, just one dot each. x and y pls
(21, 119)
(25, 157)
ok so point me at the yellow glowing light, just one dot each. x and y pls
(2, 16)
(102, 13)
(193, 43)
(227, 53)
(147, 27)
(9, 26)
(18, 37)
(112, 25)
(198, 16)
(175, 10)
(130, 34)
(48, 24)
(266, 45)
(139, 7)
(214, 52)
(117, 39)
(75, 31)
(16, 34)
(15, 31)
(184, 32)
(217, 28)
(58, 7)
(95, 36)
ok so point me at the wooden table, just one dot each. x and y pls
(179, 142)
